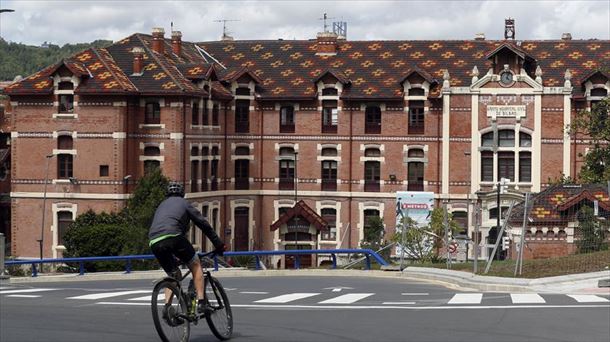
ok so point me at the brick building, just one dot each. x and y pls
(363, 119)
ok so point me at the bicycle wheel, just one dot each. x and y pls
(170, 320)
(220, 318)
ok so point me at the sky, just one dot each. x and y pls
(60, 22)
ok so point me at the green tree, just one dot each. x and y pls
(594, 124)
(592, 232)
(374, 236)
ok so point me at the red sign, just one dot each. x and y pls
(414, 206)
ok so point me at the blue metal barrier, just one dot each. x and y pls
(257, 254)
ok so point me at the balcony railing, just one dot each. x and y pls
(286, 184)
(242, 127)
(372, 186)
(287, 128)
(415, 186)
(372, 128)
(242, 183)
(329, 185)
(416, 129)
(329, 128)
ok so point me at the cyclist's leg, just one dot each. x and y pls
(186, 253)
(163, 252)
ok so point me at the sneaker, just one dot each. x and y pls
(203, 307)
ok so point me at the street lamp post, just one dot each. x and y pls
(44, 207)
(296, 182)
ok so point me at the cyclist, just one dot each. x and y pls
(167, 238)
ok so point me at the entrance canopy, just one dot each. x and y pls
(301, 210)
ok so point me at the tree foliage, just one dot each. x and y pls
(595, 125)
(20, 59)
(374, 236)
(592, 232)
(121, 233)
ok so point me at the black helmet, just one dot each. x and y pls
(175, 189)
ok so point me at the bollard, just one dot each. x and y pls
(334, 261)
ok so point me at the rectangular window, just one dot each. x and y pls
(66, 103)
(330, 216)
(194, 175)
(525, 167)
(416, 117)
(372, 120)
(152, 114)
(64, 166)
(487, 166)
(506, 138)
(242, 112)
(104, 171)
(205, 118)
(330, 116)
(150, 166)
(506, 165)
(195, 114)
(416, 176)
(372, 172)
(242, 174)
(214, 175)
(64, 220)
(215, 114)
(287, 119)
(286, 175)
(329, 175)
(204, 174)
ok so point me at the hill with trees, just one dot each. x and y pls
(20, 59)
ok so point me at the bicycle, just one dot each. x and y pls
(173, 322)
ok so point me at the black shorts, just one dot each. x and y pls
(177, 246)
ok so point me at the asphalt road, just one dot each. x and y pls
(307, 309)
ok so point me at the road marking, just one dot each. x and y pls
(160, 297)
(397, 303)
(108, 294)
(589, 299)
(5, 287)
(25, 291)
(526, 298)
(254, 292)
(24, 296)
(415, 294)
(287, 298)
(346, 298)
(466, 298)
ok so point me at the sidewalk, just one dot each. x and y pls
(584, 283)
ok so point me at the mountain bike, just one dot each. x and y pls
(173, 321)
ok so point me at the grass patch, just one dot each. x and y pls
(537, 268)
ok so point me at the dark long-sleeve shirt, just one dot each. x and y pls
(173, 216)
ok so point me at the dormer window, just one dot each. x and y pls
(66, 97)
(330, 92)
(417, 92)
(242, 91)
(330, 116)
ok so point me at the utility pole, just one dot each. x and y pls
(44, 208)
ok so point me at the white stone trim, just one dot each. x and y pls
(324, 204)
(157, 158)
(567, 146)
(65, 116)
(69, 195)
(57, 151)
(445, 145)
(119, 135)
(56, 208)
(537, 144)
(238, 203)
(159, 100)
(362, 206)
(151, 126)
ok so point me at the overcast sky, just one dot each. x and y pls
(60, 22)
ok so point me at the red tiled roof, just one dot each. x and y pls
(303, 210)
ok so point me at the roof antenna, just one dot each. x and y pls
(325, 25)
(171, 25)
(225, 33)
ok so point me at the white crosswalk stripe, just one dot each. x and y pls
(466, 298)
(102, 295)
(287, 298)
(526, 298)
(23, 296)
(25, 291)
(589, 299)
(160, 297)
(347, 298)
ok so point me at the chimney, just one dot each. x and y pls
(158, 44)
(177, 42)
(566, 36)
(479, 36)
(327, 43)
(138, 60)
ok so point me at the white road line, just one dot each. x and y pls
(25, 291)
(466, 298)
(102, 295)
(254, 292)
(24, 296)
(368, 307)
(398, 303)
(5, 287)
(287, 298)
(347, 298)
(526, 298)
(160, 297)
(589, 299)
(415, 294)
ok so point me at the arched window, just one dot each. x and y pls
(417, 92)
(329, 152)
(507, 155)
(195, 151)
(286, 165)
(372, 152)
(152, 151)
(64, 220)
(599, 92)
(415, 172)
(330, 92)
(244, 91)
(242, 151)
(64, 160)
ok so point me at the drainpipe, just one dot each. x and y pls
(438, 153)
(224, 197)
(351, 120)
(260, 175)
